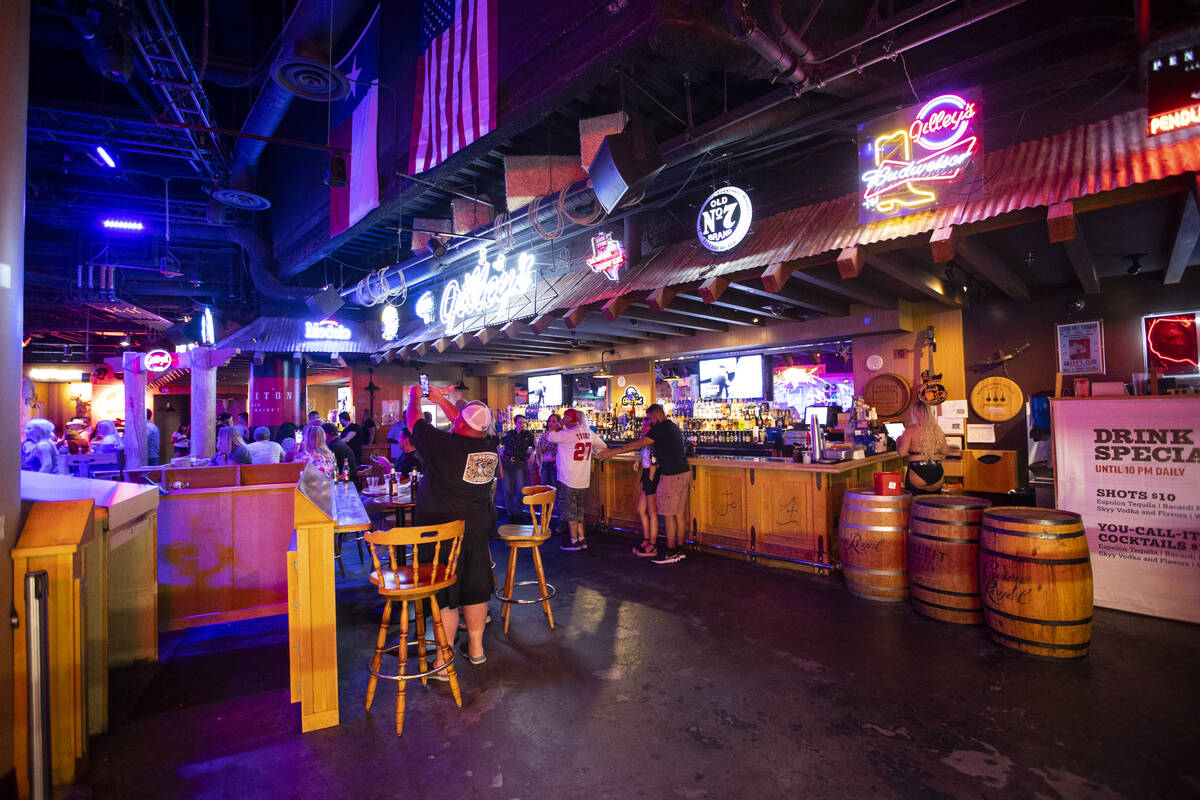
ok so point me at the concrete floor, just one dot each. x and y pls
(707, 679)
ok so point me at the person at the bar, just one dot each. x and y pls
(38, 453)
(515, 453)
(545, 458)
(577, 444)
(262, 449)
(924, 446)
(647, 502)
(460, 470)
(153, 440)
(352, 435)
(230, 448)
(314, 449)
(346, 462)
(181, 440)
(674, 481)
(242, 426)
(106, 439)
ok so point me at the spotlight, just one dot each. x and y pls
(123, 225)
(1135, 265)
(105, 157)
(337, 175)
(436, 247)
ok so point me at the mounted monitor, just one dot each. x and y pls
(731, 378)
(546, 390)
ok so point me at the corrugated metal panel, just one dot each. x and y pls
(286, 335)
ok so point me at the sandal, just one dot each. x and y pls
(463, 649)
(646, 549)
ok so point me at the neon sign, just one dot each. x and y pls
(208, 332)
(1174, 120)
(326, 330)
(488, 287)
(389, 319)
(607, 256)
(1174, 340)
(919, 157)
(425, 308)
(1172, 89)
(157, 361)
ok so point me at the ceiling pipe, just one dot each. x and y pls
(260, 262)
(309, 30)
(784, 66)
(784, 33)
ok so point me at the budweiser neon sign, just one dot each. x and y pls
(919, 157)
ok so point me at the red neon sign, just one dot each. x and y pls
(607, 256)
(1174, 120)
(157, 361)
(1173, 341)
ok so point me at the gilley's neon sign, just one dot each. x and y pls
(911, 162)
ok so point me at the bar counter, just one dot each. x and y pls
(748, 507)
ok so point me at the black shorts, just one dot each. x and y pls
(474, 561)
(649, 486)
(930, 472)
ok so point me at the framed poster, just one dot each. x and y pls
(1081, 348)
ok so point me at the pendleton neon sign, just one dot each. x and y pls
(919, 157)
(486, 288)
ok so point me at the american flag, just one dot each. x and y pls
(456, 80)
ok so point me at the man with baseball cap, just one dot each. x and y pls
(576, 444)
(458, 483)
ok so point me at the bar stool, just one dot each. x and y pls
(540, 500)
(435, 551)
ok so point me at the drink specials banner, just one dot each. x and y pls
(1131, 469)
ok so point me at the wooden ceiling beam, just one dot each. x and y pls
(793, 296)
(850, 262)
(917, 277)
(659, 299)
(442, 344)
(991, 266)
(712, 289)
(616, 307)
(485, 335)
(543, 321)
(694, 307)
(851, 290)
(1064, 229)
(640, 312)
(512, 330)
(1187, 233)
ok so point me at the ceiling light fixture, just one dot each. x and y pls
(123, 225)
(105, 157)
(338, 175)
(436, 247)
(1135, 264)
(604, 373)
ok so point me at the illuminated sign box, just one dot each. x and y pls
(1173, 90)
(1172, 343)
(921, 157)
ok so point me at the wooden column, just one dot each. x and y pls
(135, 411)
(312, 618)
(204, 403)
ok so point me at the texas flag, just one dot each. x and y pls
(354, 128)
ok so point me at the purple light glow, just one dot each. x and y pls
(123, 225)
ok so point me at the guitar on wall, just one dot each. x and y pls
(932, 391)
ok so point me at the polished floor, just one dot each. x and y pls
(706, 679)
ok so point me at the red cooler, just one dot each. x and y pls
(887, 483)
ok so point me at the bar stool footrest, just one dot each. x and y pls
(550, 592)
(395, 649)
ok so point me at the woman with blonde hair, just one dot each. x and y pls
(39, 453)
(230, 448)
(924, 445)
(314, 449)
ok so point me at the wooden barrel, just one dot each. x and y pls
(1035, 576)
(872, 529)
(943, 557)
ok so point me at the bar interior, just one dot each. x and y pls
(608, 399)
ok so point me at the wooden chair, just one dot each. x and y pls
(540, 500)
(435, 551)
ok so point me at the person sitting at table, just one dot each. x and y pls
(82, 439)
(262, 449)
(346, 462)
(230, 448)
(181, 440)
(314, 449)
(409, 459)
(924, 445)
(106, 439)
(38, 453)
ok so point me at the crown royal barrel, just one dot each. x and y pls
(872, 529)
(1035, 576)
(943, 557)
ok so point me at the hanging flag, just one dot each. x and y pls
(354, 127)
(456, 80)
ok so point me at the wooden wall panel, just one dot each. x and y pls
(719, 506)
(262, 530)
(621, 487)
(195, 556)
(948, 360)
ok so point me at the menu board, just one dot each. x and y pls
(1131, 469)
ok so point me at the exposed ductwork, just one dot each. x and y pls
(261, 264)
(785, 66)
(307, 32)
(788, 37)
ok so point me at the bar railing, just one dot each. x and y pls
(37, 641)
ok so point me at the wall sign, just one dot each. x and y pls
(607, 256)
(1081, 348)
(997, 399)
(157, 361)
(632, 398)
(486, 288)
(724, 219)
(920, 157)
(1131, 469)
(389, 320)
(1173, 343)
(1172, 86)
(425, 308)
(327, 329)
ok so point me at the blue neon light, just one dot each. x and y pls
(105, 157)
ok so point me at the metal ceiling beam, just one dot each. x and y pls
(1063, 229)
(916, 277)
(640, 311)
(691, 305)
(793, 296)
(1187, 233)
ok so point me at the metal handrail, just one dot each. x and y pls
(37, 664)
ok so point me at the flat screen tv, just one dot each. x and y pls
(799, 387)
(731, 378)
(546, 390)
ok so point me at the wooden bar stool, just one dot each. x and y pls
(540, 500)
(435, 551)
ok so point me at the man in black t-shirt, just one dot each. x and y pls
(514, 457)
(341, 451)
(459, 482)
(675, 477)
(409, 460)
(351, 435)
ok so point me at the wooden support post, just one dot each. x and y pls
(204, 405)
(617, 306)
(512, 330)
(776, 276)
(135, 411)
(442, 344)
(1187, 232)
(661, 298)
(485, 335)
(1061, 225)
(712, 289)
(850, 262)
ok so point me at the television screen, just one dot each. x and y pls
(894, 429)
(799, 387)
(589, 388)
(732, 378)
(820, 412)
(546, 390)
